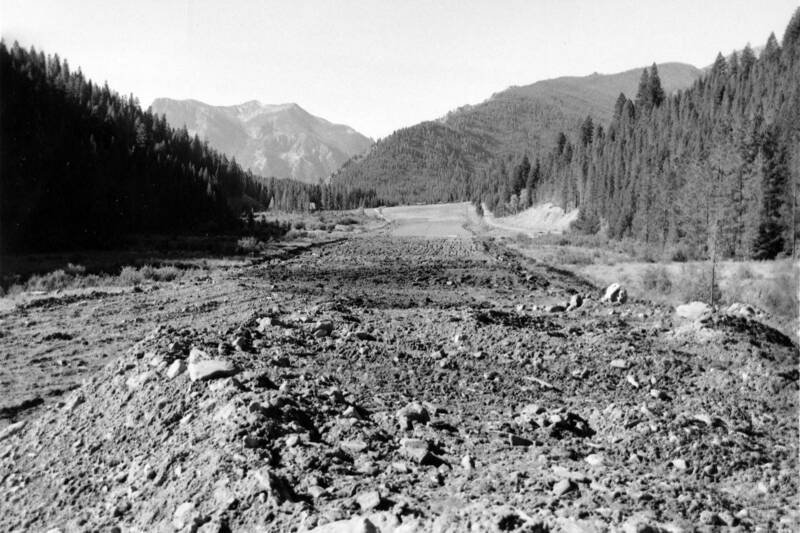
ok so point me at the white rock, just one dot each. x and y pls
(211, 369)
(694, 311)
(594, 459)
(369, 500)
(176, 369)
(615, 293)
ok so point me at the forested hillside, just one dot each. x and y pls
(441, 161)
(428, 162)
(715, 168)
(530, 117)
(83, 166)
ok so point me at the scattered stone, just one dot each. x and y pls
(176, 369)
(276, 486)
(266, 323)
(415, 449)
(556, 308)
(562, 487)
(413, 412)
(594, 459)
(468, 462)
(317, 492)
(709, 518)
(679, 464)
(728, 519)
(353, 446)
(323, 329)
(369, 500)
(242, 343)
(659, 394)
(619, 363)
(211, 369)
(575, 301)
(632, 381)
(704, 418)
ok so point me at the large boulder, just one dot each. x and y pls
(696, 311)
(615, 294)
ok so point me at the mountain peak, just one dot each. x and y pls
(280, 140)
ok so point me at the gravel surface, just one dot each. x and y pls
(388, 383)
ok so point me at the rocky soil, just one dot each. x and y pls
(403, 384)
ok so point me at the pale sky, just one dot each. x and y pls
(375, 65)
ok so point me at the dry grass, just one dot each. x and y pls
(669, 276)
(769, 285)
(75, 277)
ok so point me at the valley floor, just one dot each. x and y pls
(413, 378)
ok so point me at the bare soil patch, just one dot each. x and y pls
(400, 384)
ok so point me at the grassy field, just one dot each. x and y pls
(768, 285)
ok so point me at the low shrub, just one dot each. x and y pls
(130, 276)
(247, 245)
(51, 281)
(162, 273)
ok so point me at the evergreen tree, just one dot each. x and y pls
(656, 92)
(770, 239)
(643, 93)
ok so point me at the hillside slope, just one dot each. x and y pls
(516, 120)
(529, 117)
(283, 141)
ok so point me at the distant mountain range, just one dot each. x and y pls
(516, 120)
(283, 141)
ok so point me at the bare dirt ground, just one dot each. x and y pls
(430, 221)
(395, 381)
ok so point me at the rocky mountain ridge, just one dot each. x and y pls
(282, 140)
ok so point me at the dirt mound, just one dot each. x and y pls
(545, 218)
(384, 384)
